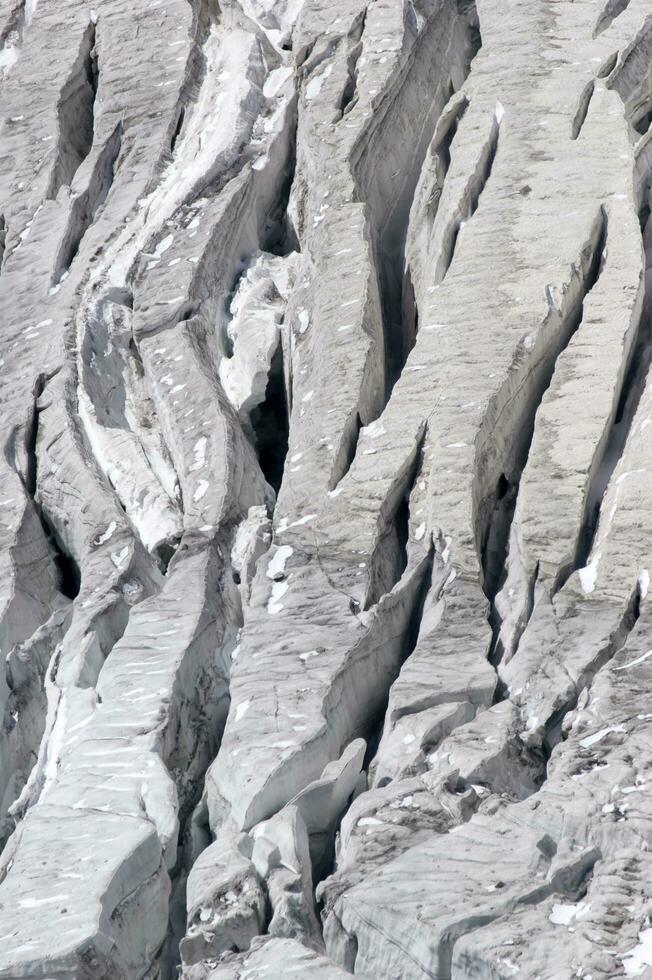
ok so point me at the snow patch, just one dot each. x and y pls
(590, 740)
(163, 246)
(101, 538)
(276, 566)
(199, 450)
(242, 709)
(375, 429)
(276, 80)
(119, 557)
(274, 604)
(563, 915)
(302, 520)
(308, 655)
(200, 492)
(637, 959)
(589, 574)
(313, 87)
(634, 663)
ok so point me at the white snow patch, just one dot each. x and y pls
(199, 450)
(404, 801)
(563, 915)
(33, 903)
(596, 737)
(119, 557)
(302, 520)
(375, 429)
(107, 534)
(589, 574)
(274, 604)
(634, 663)
(313, 87)
(637, 959)
(275, 123)
(308, 655)
(242, 709)
(200, 492)
(276, 80)
(8, 56)
(163, 246)
(276, 565)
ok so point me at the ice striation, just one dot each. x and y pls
(326, 489)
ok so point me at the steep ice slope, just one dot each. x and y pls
(325, 489)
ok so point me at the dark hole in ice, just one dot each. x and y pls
(68, 573)
(270, 425)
